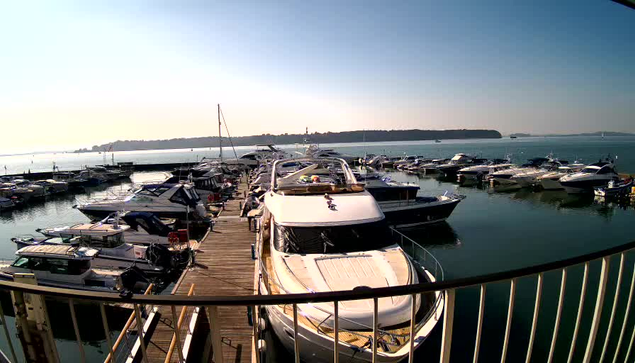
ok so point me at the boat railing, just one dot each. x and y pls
(270, 282)
(601, 327)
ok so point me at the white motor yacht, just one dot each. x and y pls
(163, 200)
(551, 180)
(315, 231)
(70, 267)
(53, 186)
(458, 162)
(593, 176)
(33, 190)
(314, 151)
(137, 228)
(478, 173)
(262, 152)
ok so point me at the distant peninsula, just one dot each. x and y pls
(598, 133)
(316, 137)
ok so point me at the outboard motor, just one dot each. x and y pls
(133, 279)
(159, 255)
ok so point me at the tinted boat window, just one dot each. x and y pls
(339, 239)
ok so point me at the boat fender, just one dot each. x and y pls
(262, 324)
(262, 347)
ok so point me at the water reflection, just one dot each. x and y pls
(435, 235)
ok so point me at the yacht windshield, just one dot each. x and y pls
(337, 239)
(590, 170)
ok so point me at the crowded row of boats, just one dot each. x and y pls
(130, 240)
(17, 191)
(548, 173)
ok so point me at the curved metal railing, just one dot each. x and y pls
(448, 288)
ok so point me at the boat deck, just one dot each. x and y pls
(224, 267)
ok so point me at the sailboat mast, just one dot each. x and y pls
(220, 136)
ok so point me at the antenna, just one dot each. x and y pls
(220, 136)
(228, 135)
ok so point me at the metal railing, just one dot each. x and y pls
(600, 342)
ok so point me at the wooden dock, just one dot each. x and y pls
(224, 267)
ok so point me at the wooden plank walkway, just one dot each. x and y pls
(228, 270)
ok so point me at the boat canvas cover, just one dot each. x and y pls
(314, 210)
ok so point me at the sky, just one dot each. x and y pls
(79, 73)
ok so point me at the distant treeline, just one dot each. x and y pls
(320, 138)
(597, 133)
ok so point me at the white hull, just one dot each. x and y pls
(317, 347)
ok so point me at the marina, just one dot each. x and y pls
(384, 182)
(224, 256)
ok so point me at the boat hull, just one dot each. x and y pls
(583, 186)
(394, 193)
(96, 214)
(419, 212)
(551, 184)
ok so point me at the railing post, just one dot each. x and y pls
(3, 320)
(413, 315)
(448, 321)
(479, 324)
(82, 354)
(375, 324)
(142, 343)
(578, 319)
(104, 321)
(595, 325)
(534, 322)
(336, 332)
(177, 334)
(296, 344)
(214, 324)
(614, 307)
(556, 328)
(626, 314)
(510, 314)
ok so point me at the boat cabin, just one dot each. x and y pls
(176, 193)
(54, 259)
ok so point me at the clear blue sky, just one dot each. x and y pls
(81, 73)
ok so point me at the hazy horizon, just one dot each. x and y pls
(75, 74)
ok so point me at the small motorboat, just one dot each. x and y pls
(615, 189)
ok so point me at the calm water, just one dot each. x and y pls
(488, 232)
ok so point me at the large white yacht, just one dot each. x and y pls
(314, 151)
(592, 176)
(477, 173)
(551, 180)
(321, 234)
(262, 152)
(163, 200)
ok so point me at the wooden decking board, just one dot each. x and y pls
(229, 270)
